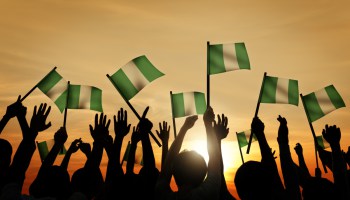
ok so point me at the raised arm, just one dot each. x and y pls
(72, 149)
(145, 127)
(289, 170)
(221, 132)
(135, 138)
(302, 164)
(163, 134)
(12, 111)
(332, 134)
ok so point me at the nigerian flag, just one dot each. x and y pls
(55, 87)
(188, 103)
(318, 104)
(85, 97)
(243, 138)
(45, 147)
(134, 76)
(227, 57)
(322, 142)
(280, 90)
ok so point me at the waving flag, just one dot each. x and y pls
(188, 103)
(85, 97)
(280, 90)
(55, 87)
(322, 142)
(227, 57)
(243, 138)
(134, 76)
(318, 104)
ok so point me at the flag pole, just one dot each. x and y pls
(256, 112)
(240, 150)
(208, 75)
(36, 85)
(313, 135)
(65, 109)
(172, 113)
(133, 110)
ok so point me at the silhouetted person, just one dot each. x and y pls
(189, 168)
(163, 134)
(221, 132)
(260, 177)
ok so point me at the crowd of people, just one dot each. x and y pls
(194, 178)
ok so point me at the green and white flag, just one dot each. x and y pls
(45, 147)
(85, 97)
(134, 76)
(127, 151)
(322, 142)
(280, 90)
(55, 87)
(318, 104)
(243, 138)
(227, 57)
(188, 103)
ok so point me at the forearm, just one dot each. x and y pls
(302, 165)
(5, 119)
(148, 155)
(65, 161)
(51, 157)
(164, 153)
(95, 157)
(131, 159)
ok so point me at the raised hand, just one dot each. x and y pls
(100, 130)
(145, 125)
(257, 126)
(208, 116)
(283, 130)
(61, 136)
(85, 148)
(75, 145)
(121, 126)
(332, 134)
(190, 121)
(15, 109)
(298, 149)
(136, 135)
(163, 132)
(220, 127)
(38, 121)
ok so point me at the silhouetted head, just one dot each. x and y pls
(88, 182)
(254, 181)
(319, 188)
(52, 181)
(5, 155)
(189, 168)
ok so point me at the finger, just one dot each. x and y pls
(133, 129)
(160, 126)
(34, 113)
(169, 129)
(129, 127)
(119, 116)
(47, 126)
(101, 118)
(43, 108)
(96, 119)
(109, 122)
(114, 119)
(125, 116)
(91, 129)
(104, 120)
(40, 107)
(19, 98)
(145, 113)
(225, 121)
(47, 112)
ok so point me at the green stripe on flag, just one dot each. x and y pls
(49, 81)
(96, 99)
(293, 92)
(62, 101)
(269, 90)
(242, 56)
(335, 97)
(242, 140)
(147, 69)
(124, 85)
(216, 62)
(178, 105)
(314, 110)
(73, 99)
(43, 150)
(201, 105)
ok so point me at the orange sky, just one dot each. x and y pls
(87, 39)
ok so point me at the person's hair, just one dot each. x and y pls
(254, 181)
(189, 168)
(88, 182)
(318, 188)
(5, 154)
(52, 181)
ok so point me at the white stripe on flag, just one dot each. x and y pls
(135, 75)
(84, 97)
(189, 102)
(229, 56)
(324, 101)
(282, 90)
(57, 89)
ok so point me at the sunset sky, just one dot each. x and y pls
(300, 40)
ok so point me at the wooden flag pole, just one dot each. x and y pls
(256, 112)
(313, 135)
(134, 111)
(36, 85)
(172, 113)
(65, 109)
(240, 150)
(208, 75)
